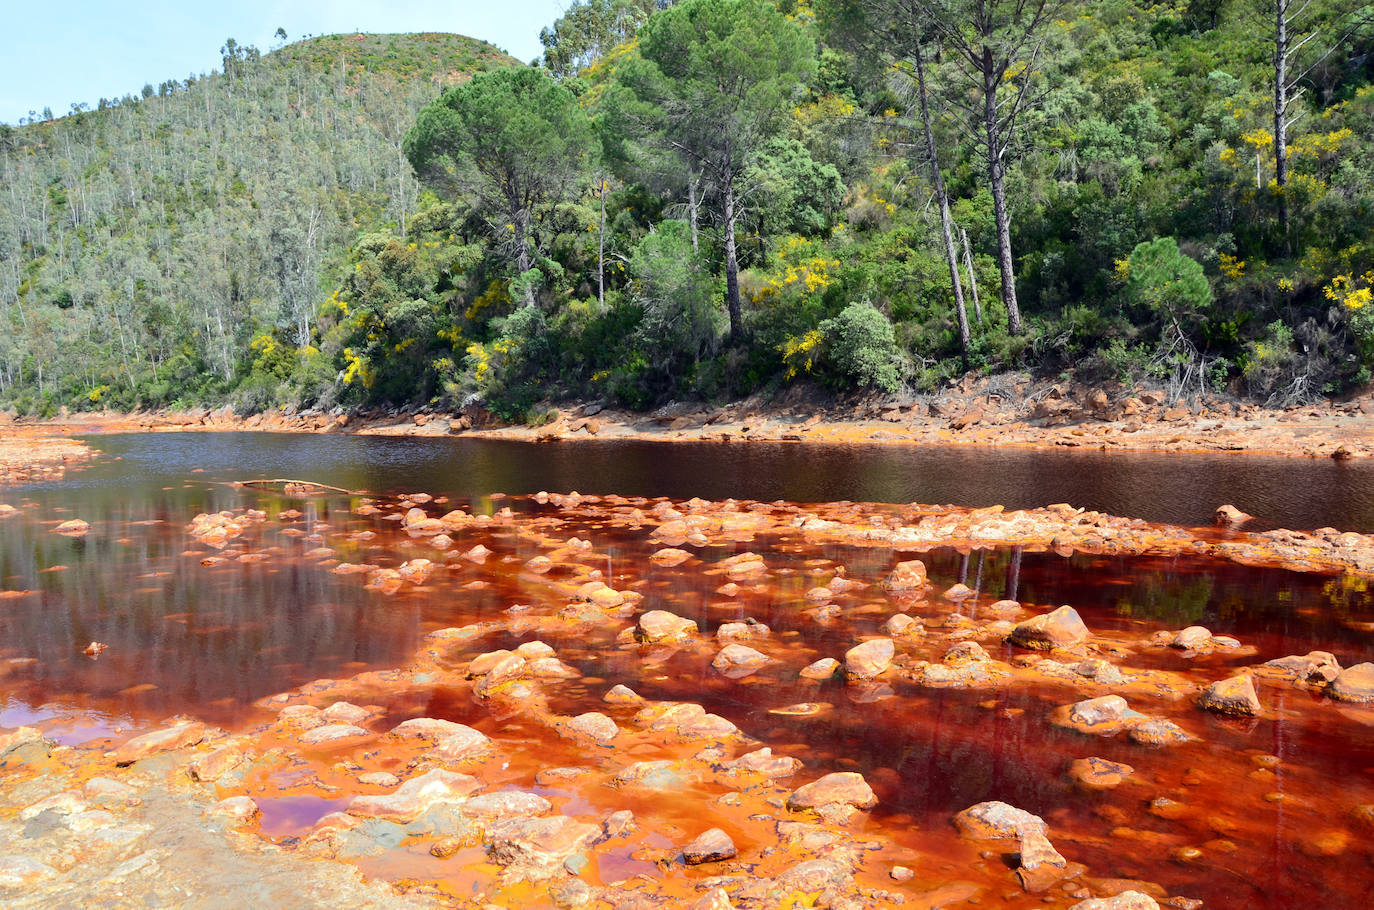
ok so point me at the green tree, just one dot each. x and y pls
(714, 82)
(591, 29)
(515, 139)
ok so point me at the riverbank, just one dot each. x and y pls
(996, 411)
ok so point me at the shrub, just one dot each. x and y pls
(861, 350)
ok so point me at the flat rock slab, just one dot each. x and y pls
(537, 848)
(331, 733)
(414, 796)
(167, 740)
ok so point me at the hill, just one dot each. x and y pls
(144, 245)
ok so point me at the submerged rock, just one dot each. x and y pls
(1126, 900)
(1062, 628)
(1099, 773)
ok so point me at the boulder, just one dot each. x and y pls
(1062, 628)
(596, 726)
(1235, 696)
(657, 626)
(1192, 638)
(906, 576)
(1102, 716)
(1159, 732)
(845, 787)
(461, 744)
(1355, 684)
(709, 847)
(430, 728)
(995, 820)
(870, 659)
(739, 657)
(1229, 515)
(213, 765)
(824, 668)
(1040, 864)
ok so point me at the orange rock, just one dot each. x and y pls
(166, 740)
(846, 787)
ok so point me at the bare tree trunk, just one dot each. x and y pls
(972, 278)
(1281, 40)
(996, 177)
(692, 205)
(938, 181)
(731, 262)
(601, 248)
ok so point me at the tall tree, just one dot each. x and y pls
(713, 82)
(895, 29)
(515, 139)
(996, 47)
(1295, 56)
(591, 29)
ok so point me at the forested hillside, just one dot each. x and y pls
(708, 199)
(151, 249)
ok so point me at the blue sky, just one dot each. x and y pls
(55, 53)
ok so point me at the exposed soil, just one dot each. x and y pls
(997, 411)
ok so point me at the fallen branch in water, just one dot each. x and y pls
(289, 485)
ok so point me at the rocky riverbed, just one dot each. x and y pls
(654, 703)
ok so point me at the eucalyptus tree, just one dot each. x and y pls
(713, 81)
(513, 140)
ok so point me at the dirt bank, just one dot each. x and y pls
(996, 411)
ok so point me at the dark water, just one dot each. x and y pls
(184, 637)
(1280, 492)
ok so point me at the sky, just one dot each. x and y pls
(55, 53)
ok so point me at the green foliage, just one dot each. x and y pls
(1170, 284)
(861, 349)
(676, 294)
(312, 227)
